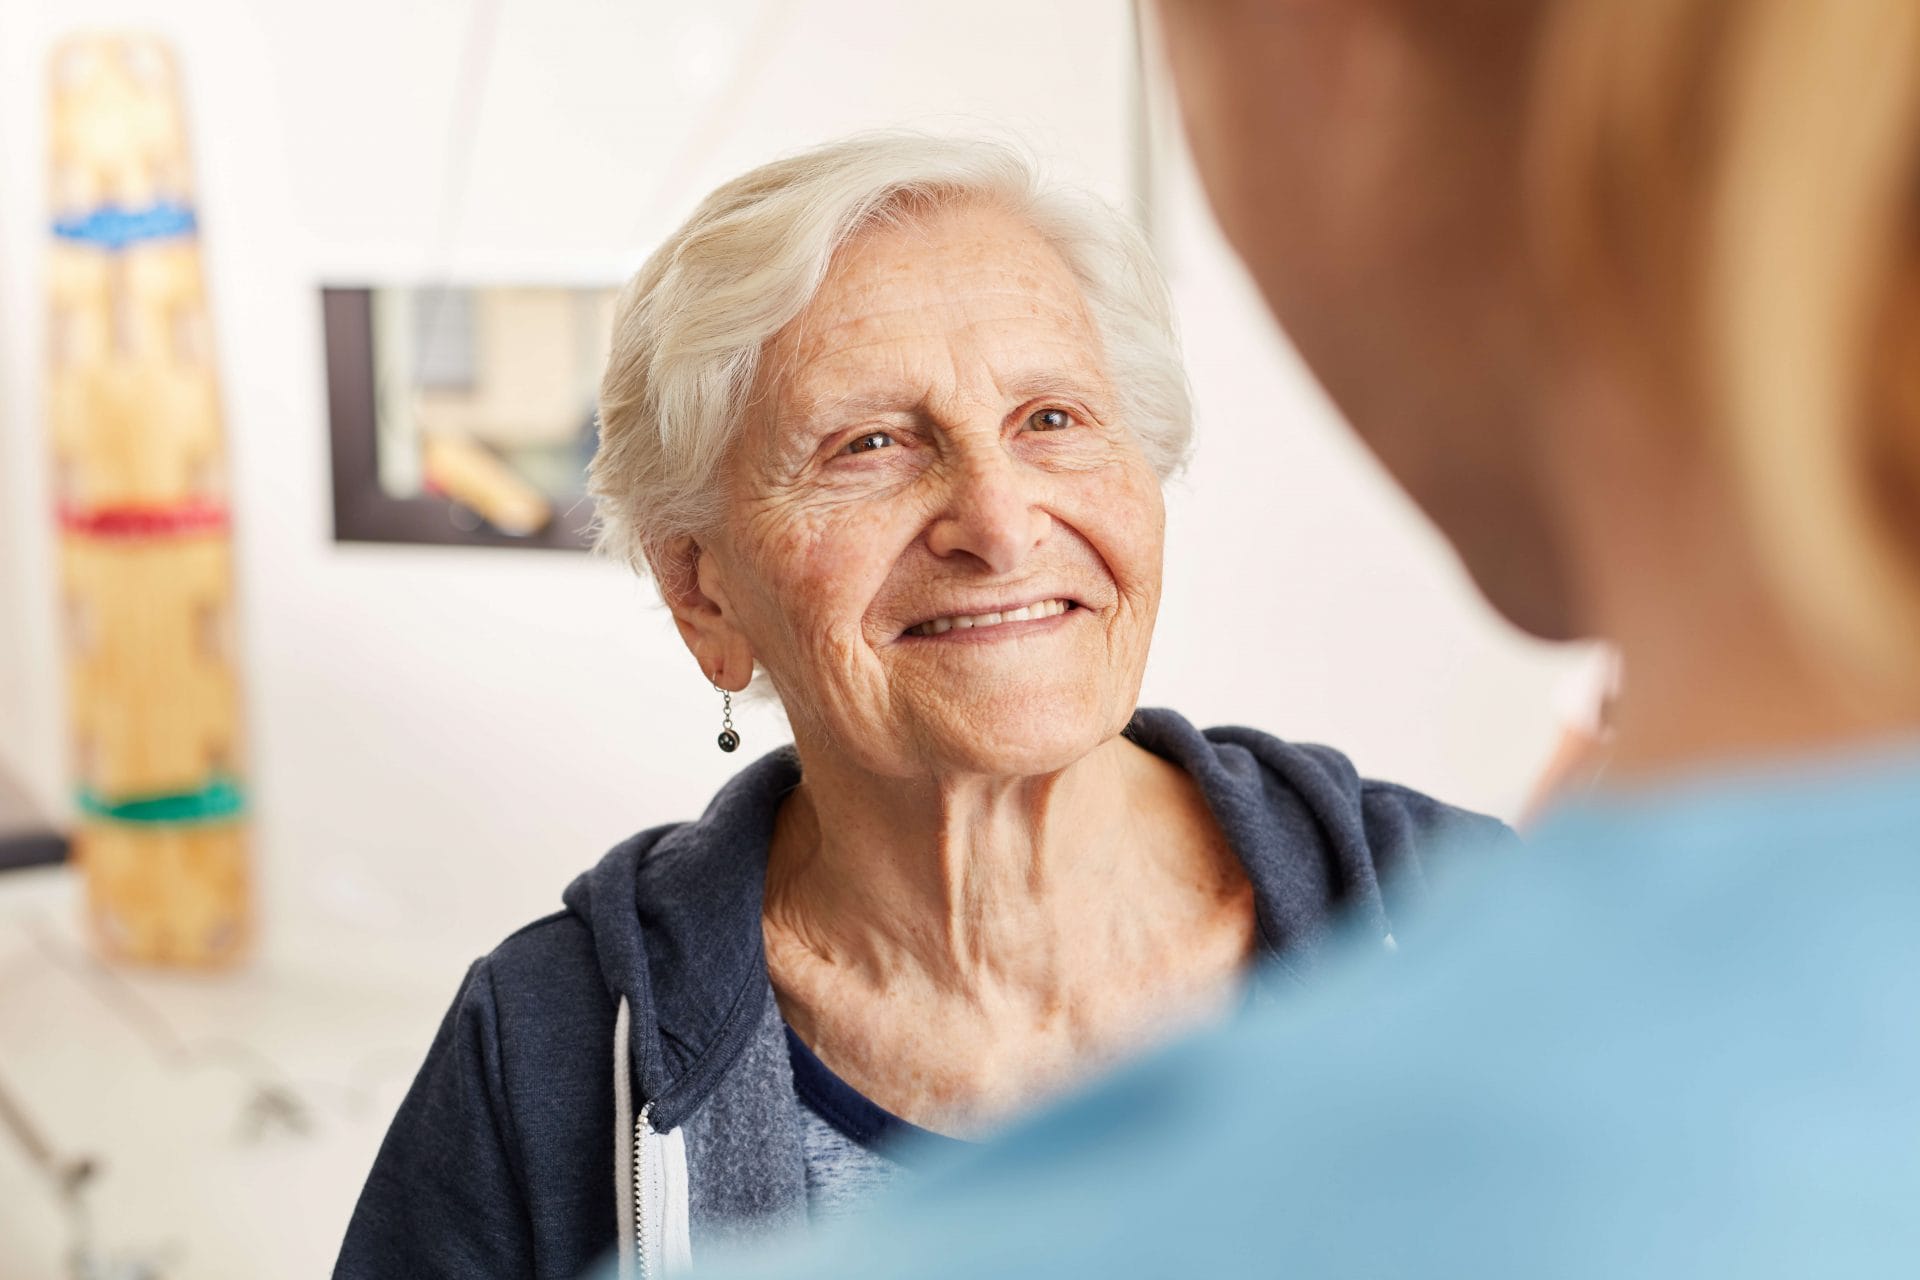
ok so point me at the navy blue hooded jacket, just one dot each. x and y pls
(519, 1149)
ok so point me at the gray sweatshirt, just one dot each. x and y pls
(614, 1079)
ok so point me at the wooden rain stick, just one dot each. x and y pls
(140, 479)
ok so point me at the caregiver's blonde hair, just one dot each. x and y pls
(1740, 181)
(690, 327)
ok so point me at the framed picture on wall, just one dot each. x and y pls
(464, 415)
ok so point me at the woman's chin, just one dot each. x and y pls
(1028, 738)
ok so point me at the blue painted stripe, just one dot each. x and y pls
(112, 227)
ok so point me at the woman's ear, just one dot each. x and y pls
(693, 584)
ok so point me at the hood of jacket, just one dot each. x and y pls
(675, 910)
(675, 915)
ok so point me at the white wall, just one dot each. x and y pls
(445, 736)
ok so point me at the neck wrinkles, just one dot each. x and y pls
(976, 883)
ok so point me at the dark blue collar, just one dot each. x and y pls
(856, 1115)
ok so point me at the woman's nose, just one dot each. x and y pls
(991, 514)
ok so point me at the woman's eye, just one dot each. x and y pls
(870, 442)
(1050, 420)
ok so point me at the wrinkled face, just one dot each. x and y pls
(944, 544)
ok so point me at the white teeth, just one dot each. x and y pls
(966, 622)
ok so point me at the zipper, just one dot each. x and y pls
(661, 1243)
(653, 1164)
(646, 1199)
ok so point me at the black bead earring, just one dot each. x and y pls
(729, 740)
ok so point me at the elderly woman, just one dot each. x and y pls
(887, 423)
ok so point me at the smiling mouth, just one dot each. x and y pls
(979, 621)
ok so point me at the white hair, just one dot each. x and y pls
(691, 325)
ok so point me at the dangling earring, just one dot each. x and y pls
(729, 740)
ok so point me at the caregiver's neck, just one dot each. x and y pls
(1717, 675)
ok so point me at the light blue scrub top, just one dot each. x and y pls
(1680, 1038)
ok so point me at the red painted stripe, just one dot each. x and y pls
(199, 516)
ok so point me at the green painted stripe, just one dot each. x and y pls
(220, 800)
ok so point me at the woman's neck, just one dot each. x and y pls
(958, 948)
(994, 888)
(1097, 885)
